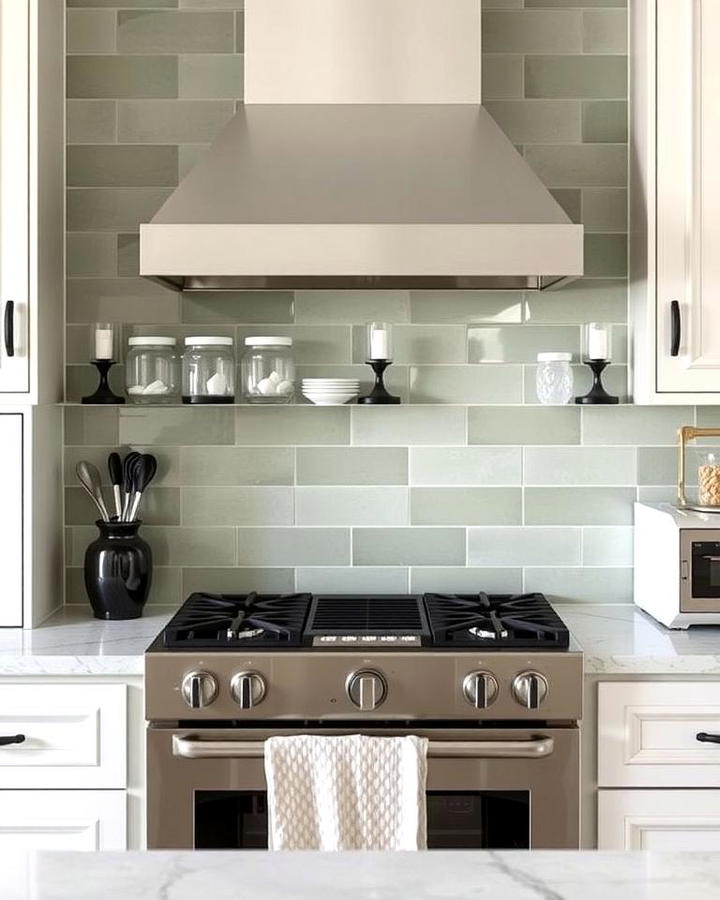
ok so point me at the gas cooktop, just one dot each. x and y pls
(365, 621)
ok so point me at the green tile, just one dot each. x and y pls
(176, 426)
(91, 254)
(239, 32)
(604, 77)
(664, 494)
(579, 465)
(188, 157)
(565, 3)
(521, 343)
(634, 424)
(325, 307)
(605, 31)
(122, 76)
(164, 590)
(78, 344)
(208, 4)
(524, 546)
(532, 31)
(605, 209)
(231, 505)
(192, 546)
(605, 121)
(442, 307)
(418, 344)
(402, 426)
(167, 460)
(119, 300)
(608, 546)
(585, 300)
(408, 546)
(707, 416)
(160, 506)
(311, 343)
(91, 426)
(127, 4)
(237, 580)
(580, 165)
(466, 384)
(502, 76)
(162, 122)
(465, 465)
(605, 255)
(128, 255)
(90, 31)
(570, 200)
(293, 546)
(657, 465)
(292, 425)
(236, 465)
(579, 505)
(175, 32)
(524, 425)
(466, 580)
(378, 505)
(112, 209)
(352, 580)
(537, 121)
(352, 465)
(210, 75)
(588, 585)
(466, 506)
(90, 120)
(237, 307)
(117, 166)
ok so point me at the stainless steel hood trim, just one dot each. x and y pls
(234, 283)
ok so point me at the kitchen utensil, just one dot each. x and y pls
(144, 472)
(89, 478)
(115, 468)
(128, 468)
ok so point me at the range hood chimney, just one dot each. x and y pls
(361, 158)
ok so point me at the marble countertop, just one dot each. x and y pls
(538, 875)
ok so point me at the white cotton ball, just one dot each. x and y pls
(266, 387)
(285, 387)
(274, 377)
(217, 384)
(135, 389)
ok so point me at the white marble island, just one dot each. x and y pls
(359, 876)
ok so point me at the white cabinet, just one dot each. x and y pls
(11, 521)
(659, 820)
(31, 200)
(675, 201)
(62, 820)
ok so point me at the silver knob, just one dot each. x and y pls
(248, 689)
(530, 689)
(199, 689)
(480, 689)
(366, 689)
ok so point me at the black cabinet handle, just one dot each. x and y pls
(675, 328)
(706, 738)
(9, 328)
(11, 739)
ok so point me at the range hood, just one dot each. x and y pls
(361, 158)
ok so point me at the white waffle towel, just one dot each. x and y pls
(350, 792)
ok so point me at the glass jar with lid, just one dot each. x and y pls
(268, 370)
(208, 370)
(152, 370)
(554, 378)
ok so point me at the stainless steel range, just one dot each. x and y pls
(491, 680)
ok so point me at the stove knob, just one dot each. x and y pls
(480, 689)
(366, 689)
(248, 689)
(530, 689)
(199, 689)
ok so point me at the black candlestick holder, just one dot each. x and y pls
(597, 393)
(104, 393)
(379, 393)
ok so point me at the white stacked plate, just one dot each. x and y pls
(330, 391)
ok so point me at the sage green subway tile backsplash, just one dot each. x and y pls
(471, 484)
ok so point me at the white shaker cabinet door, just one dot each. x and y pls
(659, 820)
(62, 820)
(11, 520)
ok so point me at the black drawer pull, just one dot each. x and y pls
(9, 328)
(706, 738)
(11, 739)
(675, 328)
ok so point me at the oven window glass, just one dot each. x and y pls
(705, 569)
(457, 820)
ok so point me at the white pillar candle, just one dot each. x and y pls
(103, 343)
(379, 344)
(597, 342)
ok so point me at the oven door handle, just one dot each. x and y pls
(191, 747)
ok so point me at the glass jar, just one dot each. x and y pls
(708, 479)
(151, 370)
(268, 370)
(208, 370)
(554, 378)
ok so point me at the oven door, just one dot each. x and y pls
(699, 570)
(486, 788)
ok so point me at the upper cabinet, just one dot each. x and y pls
(675, 200)
(31, 200)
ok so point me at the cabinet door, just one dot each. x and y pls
(15, 198)
(688, 195)
(659, 820)
(11, 520)
(62, 820)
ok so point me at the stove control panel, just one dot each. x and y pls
(480, 689)
(248, 689)
(530, 689)
(199, 689)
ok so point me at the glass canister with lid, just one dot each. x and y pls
(208, 370)
(268, 370)
(554, 378)
(152, 370)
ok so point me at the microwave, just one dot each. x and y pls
(677, 564)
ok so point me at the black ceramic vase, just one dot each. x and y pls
(118, 571)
